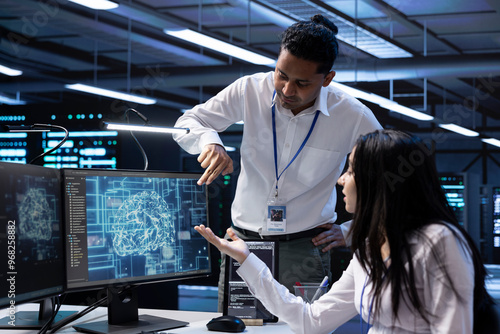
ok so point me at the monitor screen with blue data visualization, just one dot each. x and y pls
(130, 227)
(31, 237)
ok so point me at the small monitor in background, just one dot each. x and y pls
(31, 243)
(130, 227)
(455, 192)
(496, 223)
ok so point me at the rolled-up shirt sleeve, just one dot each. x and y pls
(206, 120)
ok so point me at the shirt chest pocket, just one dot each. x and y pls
(315, 165)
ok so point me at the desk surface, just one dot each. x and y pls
(197, 321)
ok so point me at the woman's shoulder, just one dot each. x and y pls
(438, 228)
(435, 232)
(438, 238)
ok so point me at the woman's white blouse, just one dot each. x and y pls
(450, 312)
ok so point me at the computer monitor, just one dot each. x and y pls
(31, 243)
(496, 223)
(463, 195)
(129, 227)
(454, 188)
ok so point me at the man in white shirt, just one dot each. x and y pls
(297, 133)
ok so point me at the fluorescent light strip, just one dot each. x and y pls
(407, 111)
(491, 141)
(383, 102)
(10, 71)
(393, 106)
(11, 101)
(96, 4)
(112, 94)
(458, 129)
(144, 128)
(220, 46)
(370, 97)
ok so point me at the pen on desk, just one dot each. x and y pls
(301, 290)
(323, 284)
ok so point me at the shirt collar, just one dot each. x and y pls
(275, 99)
(320, 103)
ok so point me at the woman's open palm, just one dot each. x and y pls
(237, 248)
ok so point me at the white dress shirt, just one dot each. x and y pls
(307, 185)
(451, 312)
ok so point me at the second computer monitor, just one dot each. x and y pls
(31, 242)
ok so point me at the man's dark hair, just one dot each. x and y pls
(313, 40)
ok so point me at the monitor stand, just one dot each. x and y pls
(33, 319)
(123, 317)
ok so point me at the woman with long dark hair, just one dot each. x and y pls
(414, 270)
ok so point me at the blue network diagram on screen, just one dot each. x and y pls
(133, 226)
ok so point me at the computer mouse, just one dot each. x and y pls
(226, 323)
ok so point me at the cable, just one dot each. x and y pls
(146, 122)
(49, 126)
(56, 305)
(78, 315)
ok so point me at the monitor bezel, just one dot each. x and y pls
(36, 295)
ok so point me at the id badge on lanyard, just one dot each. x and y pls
(276, 205)
(276, 215)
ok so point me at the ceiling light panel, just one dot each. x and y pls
(492, 141)
(458, 129)
(11, 101)
(96, 4)
(349, 33)
(111, 93)
(10, 71)
(220, 46)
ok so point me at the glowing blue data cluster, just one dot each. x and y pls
(35, 216)
(143, 224)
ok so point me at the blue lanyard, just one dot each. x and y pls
(370, 307)
(276, 149)
(361, 308)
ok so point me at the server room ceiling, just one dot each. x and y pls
(450, 50)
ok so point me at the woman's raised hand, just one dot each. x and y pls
(237, 248)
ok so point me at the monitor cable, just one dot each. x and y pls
(56, 305)
(77, 315)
